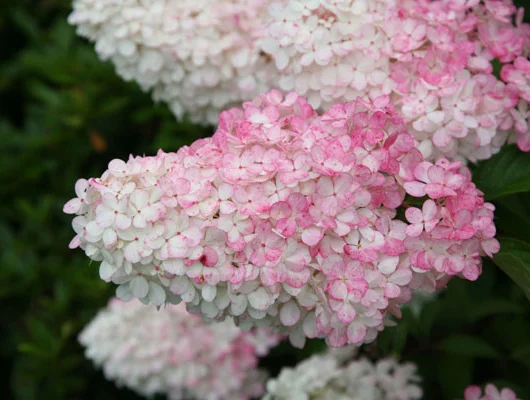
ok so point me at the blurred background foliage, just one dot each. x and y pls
(65, 115)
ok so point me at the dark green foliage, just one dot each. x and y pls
(505, 173)
(65, 115)
(475, 332)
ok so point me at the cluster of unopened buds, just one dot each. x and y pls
(173, 353)
(315, 225)
(332, 376)
(457, 71)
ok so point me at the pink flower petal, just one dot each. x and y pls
(72, 206)
(416, 189)
(311, 236)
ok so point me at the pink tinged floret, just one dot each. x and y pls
(410, 37)
(363, 245)
(491, 392)
(490, 246)
(495, 394)
(209, 257)
(312, 235)
(472, 393)
(426, 218)
(113, 212)
(77, 205)
(290, 313)
(251, 199)
(185, 236)
(455, 226)
(141, 210)
(434, 181)
(118, 168)
(356, 333)
(266, 248)
(290, 214)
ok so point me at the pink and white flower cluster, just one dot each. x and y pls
(173, 353)
(324, 377)
(289, 219)
(436, 59)
(490, 393)
(199, 56)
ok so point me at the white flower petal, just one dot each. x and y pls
(139, 286)
(239, 305)
(124, 293)
(290, 313)
(110, 237)
(179, 285)
(72, 206)
(259, 299)
(157, 294)
(208, 292)
(106, 271)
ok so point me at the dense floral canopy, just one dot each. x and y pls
(287, 218)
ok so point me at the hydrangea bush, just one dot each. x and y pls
(58, 96)
(173, 353)
(457, 70)
(436, 58)
(289, 219)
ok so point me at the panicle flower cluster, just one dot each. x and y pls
(436, 58)
(324, 376)
(173, 353)
(490, 393)
(200, 56)
(289, 219)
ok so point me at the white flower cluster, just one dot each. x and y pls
(330, 51)
(174, 353)
(199, 56)
(324, 377)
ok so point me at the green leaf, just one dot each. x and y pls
(514, 208)
(522, 354)
(46, 94)
(497, 66)
(514, 260)
(43, 336)
(508, 332)
(26, 24)
(467, 345)
(400, 337)
(429, 314)
(494, 306)
(113, 105)
(454, 374)
(34, 350)
(505, 173)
